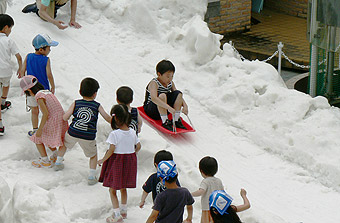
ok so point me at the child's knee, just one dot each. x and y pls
(162, 97)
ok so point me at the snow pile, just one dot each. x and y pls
(6, 210)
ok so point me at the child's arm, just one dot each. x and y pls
(198, 193)
(155, 99)
(44, 15)
(73, 15)
(153, 216)
(138, 147)
(19, 59)
(140, 122)
(23, 68)
(107, 154)
(185, 106)
(142, 200)
(103, 113)
(190, 211)
(69, 112)
(246, 203)
(44, 118)
(50, 76)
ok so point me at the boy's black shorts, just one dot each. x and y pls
(151, 108)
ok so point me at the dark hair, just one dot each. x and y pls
(162, 155)
(44, 48)
(6, 20)
(171, 179)
(124, 95)
(164, 66)
(121, 116)
(208, 166)
(88, 87)
(231, 217)
(37, 87)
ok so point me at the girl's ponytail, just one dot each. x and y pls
(120, 116)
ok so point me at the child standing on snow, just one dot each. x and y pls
(162, 96)
(169, 205)
(52, 127)
(208, 167)
(119, 169)
(153, 183)
(39, 65)
(124, 95)
(221, 209)
(7, 49)
(83, 128)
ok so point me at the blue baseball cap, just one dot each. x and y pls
(42, 40)
(166, 170)
(220, 200)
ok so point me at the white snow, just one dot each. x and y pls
(281, 145)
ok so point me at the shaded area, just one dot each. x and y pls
(267, 30)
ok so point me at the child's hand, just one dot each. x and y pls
(187, 221)
(100, 162)
(141, 204)
(243, 192)
(74, 24)
(38, 133)
(171, 110)
(52, 90)
(19, 73)
(60, 25)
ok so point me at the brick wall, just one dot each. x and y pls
(226, 16)
(291, 7)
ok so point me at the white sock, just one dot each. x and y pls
(164, 118)
(123, 207)
(92, 172)
(45, 158)
(177, 115)
(60, 159)
(116, 212)
(1, 125)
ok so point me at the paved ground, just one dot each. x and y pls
(262, 39)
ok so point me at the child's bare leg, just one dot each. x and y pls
(178, 102)
(114, 199)
(62, 151)
(123, 194)
(41, 150)
(4, 93)
(93, 162)
(35, 117)
(162, 111)
(205, 217)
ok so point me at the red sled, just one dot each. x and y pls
(158, 123)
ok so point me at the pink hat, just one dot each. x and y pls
(28, 82)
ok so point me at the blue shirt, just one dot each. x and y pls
(36, 66)
(84, 122)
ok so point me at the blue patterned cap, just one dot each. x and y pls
(166, 170)
(220, 200)
(42, 40)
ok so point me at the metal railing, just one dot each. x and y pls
(280, 54)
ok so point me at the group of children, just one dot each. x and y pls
(119, 164)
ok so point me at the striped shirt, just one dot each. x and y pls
(161, 89)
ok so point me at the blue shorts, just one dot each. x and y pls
(151, 109)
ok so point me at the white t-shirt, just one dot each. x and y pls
(7, 49)
(209, 184)
(124, 141)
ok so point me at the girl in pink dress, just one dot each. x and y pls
(119, 169)
(52, 127)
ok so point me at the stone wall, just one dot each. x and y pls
(226, 16)
(291, 7)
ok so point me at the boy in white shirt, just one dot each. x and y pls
(7, 49)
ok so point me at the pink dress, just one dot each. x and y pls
(55, 128)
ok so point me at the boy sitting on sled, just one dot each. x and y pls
(162, 96)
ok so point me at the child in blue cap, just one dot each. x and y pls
(221, 209)
(169, 205)
(39, 65)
